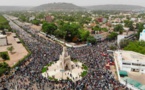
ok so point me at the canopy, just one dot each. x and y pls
(134, 83)
(123, 73)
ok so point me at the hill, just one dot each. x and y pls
(58, 7)
(115, 7)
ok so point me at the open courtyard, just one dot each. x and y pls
(18, 53)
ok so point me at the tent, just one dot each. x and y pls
(123, 73)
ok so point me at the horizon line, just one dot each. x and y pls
(64, 2)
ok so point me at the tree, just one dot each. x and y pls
(97, 28)
(10, 49)
(4, 55)
(40, 16)
(118, 28)
(23, 18)
(91, 39)
(131, 28)
(124, 42)
(36, 22)
(1, 27)
(4, 67)
(129, 24)
(71, 30)
(112, 36)
(139, 27)
(49, 28)
(136, 46)
(113, 47)
(83, 34)
(59, 33)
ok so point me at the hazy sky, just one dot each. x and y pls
(77, 2)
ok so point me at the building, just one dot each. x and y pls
(48, 18)
(130, 61)
(101, 36)
(31, 18)
(3, 40)
(121, 37)
(142, 35)
(98, 37)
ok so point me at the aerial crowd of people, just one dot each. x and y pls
(28, 75)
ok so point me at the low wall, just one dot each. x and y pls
(62, 42)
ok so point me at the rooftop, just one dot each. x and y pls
(2, 36)
(130, 55)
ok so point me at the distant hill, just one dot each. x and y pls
(114, 7)
(58, 7)
(71, 7)
(13, 8)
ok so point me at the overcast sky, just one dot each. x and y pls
(77, 2)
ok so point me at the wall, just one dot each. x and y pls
(142, 35)
(3, 42)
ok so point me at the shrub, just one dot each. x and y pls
(84, 67)
(4, 67)
(44, 69)
(84, 73)
(4, 55)
(50, 64)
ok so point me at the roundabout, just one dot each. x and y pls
(64, 69)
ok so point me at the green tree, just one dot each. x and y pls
(36, 22)
(124, 42)
(113, 47)
(49, 28)
(136, 46)
(84, 34)
(129, 24)
(97, 28)
(23, 18)
(139, 27)
(71, 30)
(91, 39)
(4, 67)
(112, 36)
(118, 28)
(60, 33)
(4, 55)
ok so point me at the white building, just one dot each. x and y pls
(119, 38)
(142, 35)
(130, 61)
(3, 40)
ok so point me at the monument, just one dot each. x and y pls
(65, 60)
(64, 68)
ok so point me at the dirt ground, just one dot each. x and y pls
(114, 72)
(18, 53)
(38, 28)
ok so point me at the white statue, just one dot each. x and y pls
(65, 60)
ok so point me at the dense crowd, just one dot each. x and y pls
(28, 74)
